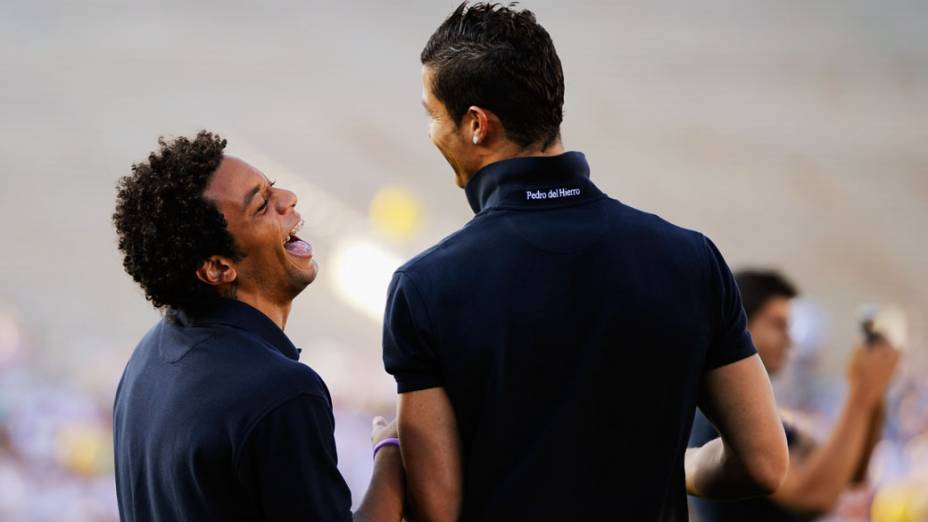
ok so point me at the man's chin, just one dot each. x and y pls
(461, 178)
(775, 367)
(305, 276)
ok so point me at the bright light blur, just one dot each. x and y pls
(396, 212)
(360, 272)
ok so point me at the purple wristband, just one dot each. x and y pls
(392, 441)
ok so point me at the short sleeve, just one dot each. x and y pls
(407, 342)
(731, 341)
(289, 463)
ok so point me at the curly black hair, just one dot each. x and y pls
(166, 229)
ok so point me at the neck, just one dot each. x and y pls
(275, 311)
(511, 151)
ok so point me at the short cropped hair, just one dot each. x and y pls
(760, 286)
(499, 58)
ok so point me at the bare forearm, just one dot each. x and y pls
(431, 455)
(384, 499)
(712, 471)
(751, 456)
(874, 432)
(815, 484)
(433, 486)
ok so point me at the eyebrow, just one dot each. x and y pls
(251, 195)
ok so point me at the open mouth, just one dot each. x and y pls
(296, 246)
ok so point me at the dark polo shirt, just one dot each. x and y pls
(217, 420)
(571, 333)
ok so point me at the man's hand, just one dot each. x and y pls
(383, 430)
(815, 482)
(870, 370)
(386, 494)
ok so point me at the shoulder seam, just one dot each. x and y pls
(201, 342)
(442, 243)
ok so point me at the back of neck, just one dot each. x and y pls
(514, 151)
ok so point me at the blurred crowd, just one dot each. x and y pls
(56, 442)
(897, 485)
(896, 489)
(56, 461)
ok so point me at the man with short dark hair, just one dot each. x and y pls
(550, 354)
(818, 474)
(766, 296)
(215, 417)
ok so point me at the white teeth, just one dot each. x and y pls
(296, 228)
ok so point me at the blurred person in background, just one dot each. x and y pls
(818, 473)
(215, 417)
(549, 355)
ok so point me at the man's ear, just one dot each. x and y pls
(482, 125)
(217, 271)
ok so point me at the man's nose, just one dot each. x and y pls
(286, 201)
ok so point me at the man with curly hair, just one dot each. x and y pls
(215, 417)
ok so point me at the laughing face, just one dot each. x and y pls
(277, 264)
(453, 139)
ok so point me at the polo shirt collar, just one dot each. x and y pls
(236, 314)
(532, 182)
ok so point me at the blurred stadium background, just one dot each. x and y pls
(793, 133)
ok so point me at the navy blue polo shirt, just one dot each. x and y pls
(217, 420)
(571, 333)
